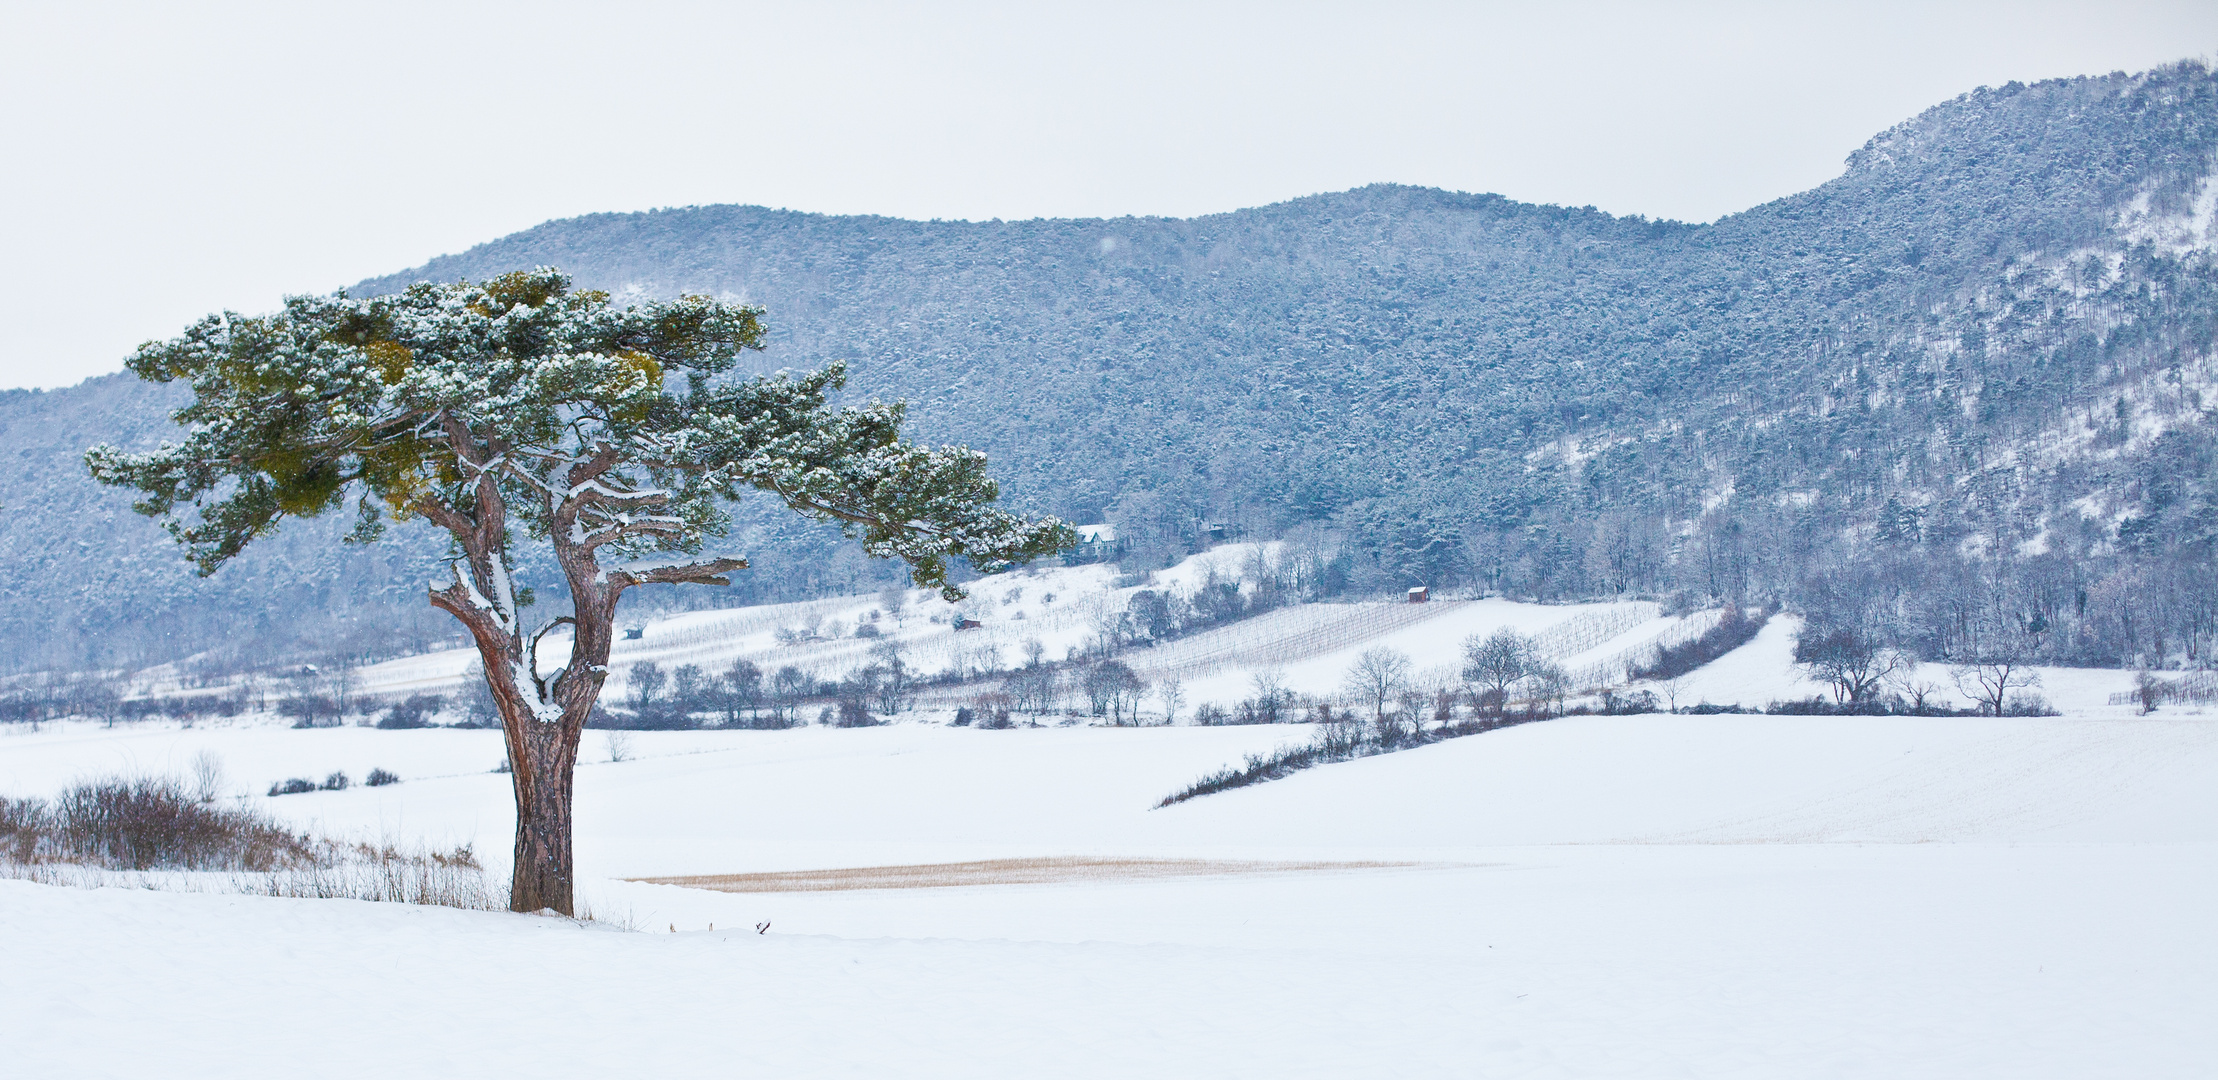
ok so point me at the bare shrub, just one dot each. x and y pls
(2148, 690)
(20, 822)
(1734, 629)
(1339, 735)
(311, 710)
(148, 823)
(415, 711)
(380, 778)
(854, 713)
(1255, 769)
(1272, 702)
(207, 775)
(153, 832)
(989, 710)
(389, 874)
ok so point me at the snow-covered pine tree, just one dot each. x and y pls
(520, 410)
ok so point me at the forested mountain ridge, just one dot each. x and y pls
(1954, 394)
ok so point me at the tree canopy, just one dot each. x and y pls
(334, 397)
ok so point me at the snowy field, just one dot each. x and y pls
(1644, 896)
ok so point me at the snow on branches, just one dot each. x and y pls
(593, 425)
(520, 409)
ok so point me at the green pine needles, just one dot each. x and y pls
(378, 399)
(522, 410)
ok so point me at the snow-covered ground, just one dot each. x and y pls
(1716, 896)
(1605, 896)
(1993, 961)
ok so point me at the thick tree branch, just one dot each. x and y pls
(707, 571)
(545, 688)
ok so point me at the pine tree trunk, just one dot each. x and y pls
(543, 753)
(544, 777)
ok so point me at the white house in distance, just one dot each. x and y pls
(1096, 543)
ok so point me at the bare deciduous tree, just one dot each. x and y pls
(1036, 689)
(1917, 691)
(1377, 676)
(1173, 695)
(1852, 663)
(1498, 662)
(1550, 683)
(1989, 682)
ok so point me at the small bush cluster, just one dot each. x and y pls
(1629, 703)
(415, 711)
(1733, 630)
(1874, 706)
(338, 781)
(1339, 736)
(146, 824)
(149, 826)
(990, 711)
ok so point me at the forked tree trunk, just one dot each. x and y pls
(542, 758)
(543, 715)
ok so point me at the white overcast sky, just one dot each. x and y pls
(166, 160)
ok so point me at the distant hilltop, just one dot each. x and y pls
(1982, 350)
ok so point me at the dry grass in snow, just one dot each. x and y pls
(1043, 871)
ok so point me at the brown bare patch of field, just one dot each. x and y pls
(1043, 871)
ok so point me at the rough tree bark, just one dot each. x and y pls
(543, 716)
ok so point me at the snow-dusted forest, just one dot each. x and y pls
(1953, 399)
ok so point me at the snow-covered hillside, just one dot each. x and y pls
(1307, 647)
